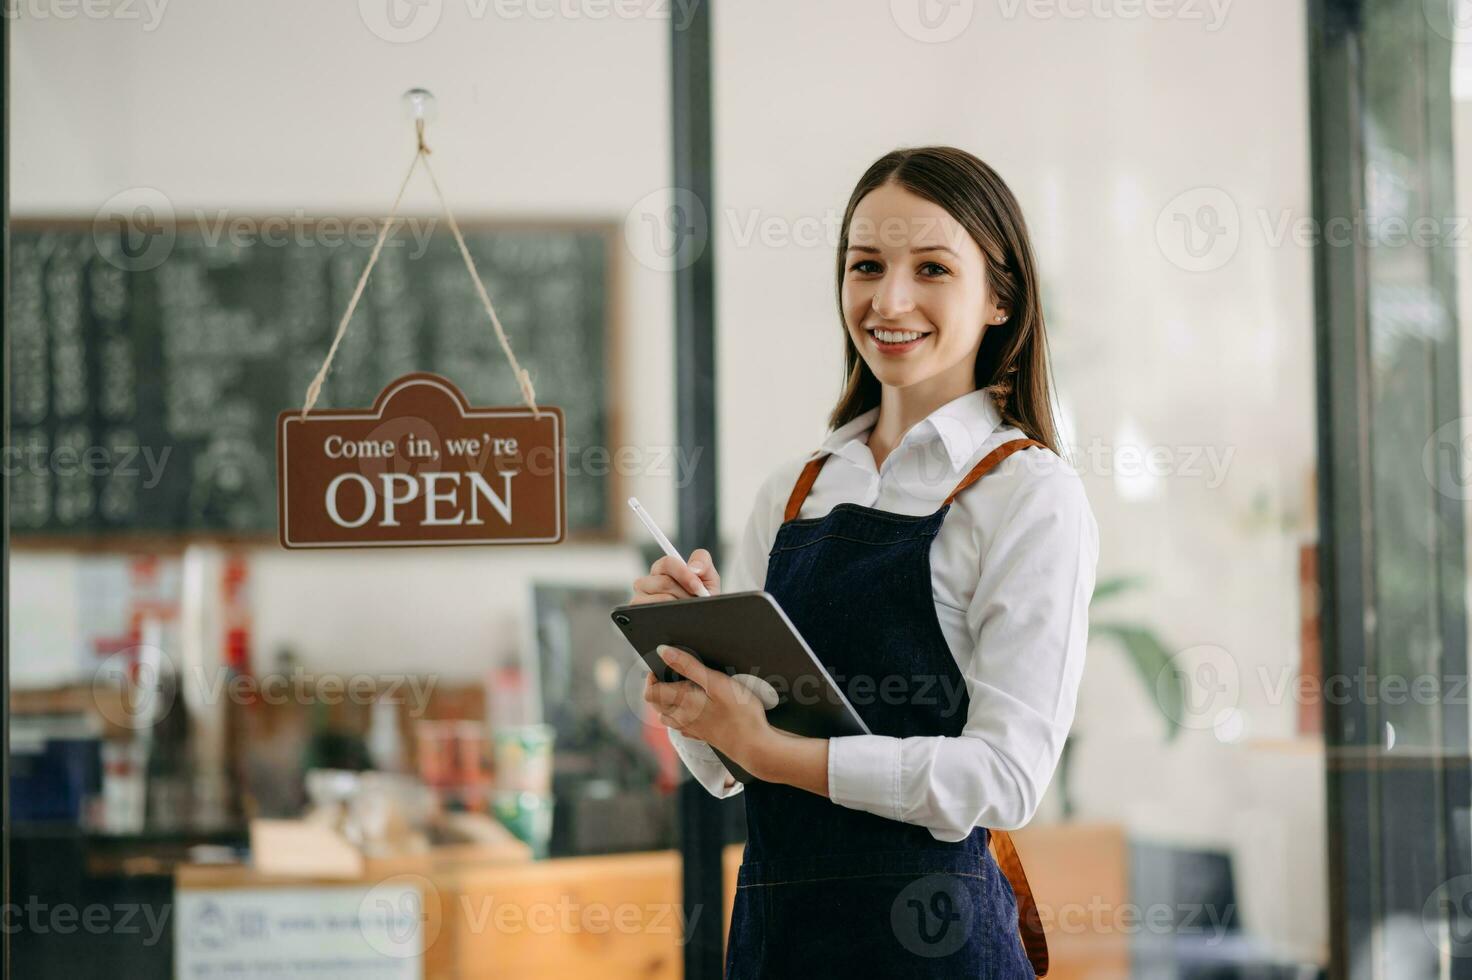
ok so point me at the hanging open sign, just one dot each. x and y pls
(421, 467)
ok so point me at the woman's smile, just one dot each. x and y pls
(896, 341)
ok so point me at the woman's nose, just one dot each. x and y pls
(892, 298)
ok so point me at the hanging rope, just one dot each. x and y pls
(421, 153)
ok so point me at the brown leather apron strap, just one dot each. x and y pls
(1029, 922)
(809, 474)
(990, 460)
(804, 484)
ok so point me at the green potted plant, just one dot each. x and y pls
(1150, 659)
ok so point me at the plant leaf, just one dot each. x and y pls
(1165, 688)
(1114, 586)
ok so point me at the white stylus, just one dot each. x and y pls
(664, 542)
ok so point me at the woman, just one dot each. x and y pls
(938, 556)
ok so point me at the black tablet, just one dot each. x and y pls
(745, 633)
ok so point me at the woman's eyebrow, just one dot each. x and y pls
(871, 250)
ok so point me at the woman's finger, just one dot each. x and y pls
(641, 598)
(679, 572)
(686, 665)
(684, 715)
(655, 692)
(674, 694)
(702, 565)
(661, 584)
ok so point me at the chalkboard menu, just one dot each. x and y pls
(144, 394)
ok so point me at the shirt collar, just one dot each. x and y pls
(962, 425)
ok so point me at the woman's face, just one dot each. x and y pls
(915, 294)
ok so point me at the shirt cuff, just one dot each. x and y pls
(704, 765)
(864, 773)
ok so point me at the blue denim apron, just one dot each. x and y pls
(829, 891)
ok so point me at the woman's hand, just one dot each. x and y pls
(669, 578)
(711, 707)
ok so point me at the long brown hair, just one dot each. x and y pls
(1012, 362)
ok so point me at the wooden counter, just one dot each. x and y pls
(607, 916)
(619, 915)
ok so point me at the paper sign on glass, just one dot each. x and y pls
(421, 468)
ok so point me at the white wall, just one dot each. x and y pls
(1098, 124)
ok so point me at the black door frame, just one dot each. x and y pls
(5, 488)
(1397, 835)
(703, 818)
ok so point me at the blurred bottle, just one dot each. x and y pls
(385, 745)
(508, 696)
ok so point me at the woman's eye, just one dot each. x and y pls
(864, 265)
(933, 269)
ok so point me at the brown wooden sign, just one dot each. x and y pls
(421, 468)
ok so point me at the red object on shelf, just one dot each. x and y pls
(237, 649)
(1310, 648)
(236, 601)
(451, 760)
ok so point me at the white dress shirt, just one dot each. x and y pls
(1012, 572)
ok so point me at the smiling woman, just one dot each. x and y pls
(910, 265)
(929, 282)
(853, 842)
